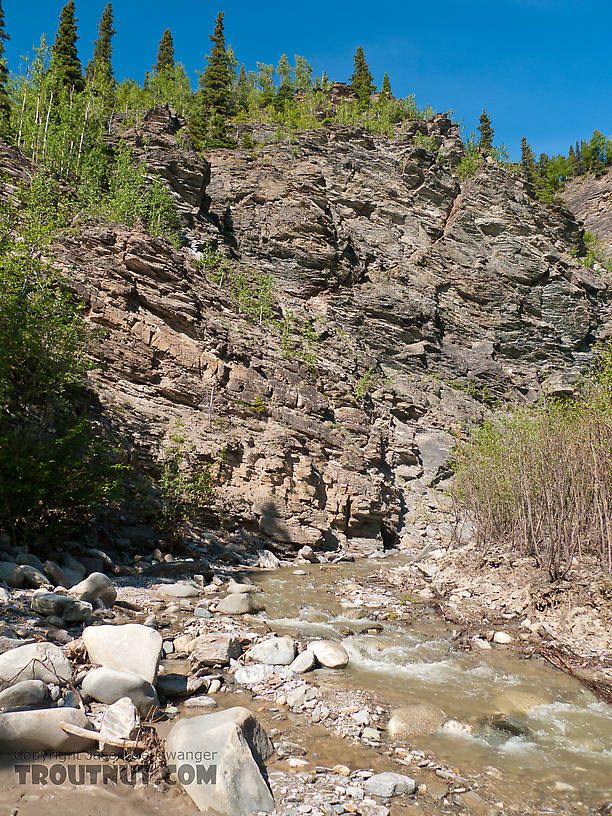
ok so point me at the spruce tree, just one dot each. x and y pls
(528, 162)
(165, 53)
(5, 104)
(362, 81)
(216, 90)
(486, 133)
(242, 89)
(65, 62)
(385, 91)
(99, 71)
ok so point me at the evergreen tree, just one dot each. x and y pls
(5, 104)
(486, 133)
(362, 81)
(65, 62)
(242, 89)
(528, 162)
(100, 67)
(215, 103)
(283, 69)
(385, 91)
(165, 53)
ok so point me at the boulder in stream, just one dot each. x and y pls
(97, 585)
(233, 748)
(27, 694)
(109, 685)
(51, 604)
(389, 784)
(274, 651)
(35, 661)
(330, 654)
(40, 731)
(239, 604)
(411, 720)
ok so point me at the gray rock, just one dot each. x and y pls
(69, 609)
(109, 685)
(215, 650)
(35, 661)
(5, 595)
(56, 574)
(239, 589)
(97, 585)
(11, 574)
(181, 589)
(120, 720)
(27, 694)
(308, 554)
(330, 654)
(275, 651)
(251, 675)
(389, 784)
(40, 731)
(300, 695)
(304, 662)
(31, 561)
(236, 747)
(202, 612)
(267, 560)
(239, 605)
(411, 720)
(203, 701)
(180, 685)
(33, 577)
(130, 648)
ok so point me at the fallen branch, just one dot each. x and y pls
(77, 731)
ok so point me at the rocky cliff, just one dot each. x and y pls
(414, 299)
(590, 199)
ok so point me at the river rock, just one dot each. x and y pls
(502, 638)
(239, 604)
(239, 589)
(61, 606)
(251, 675)
(97, 585)
(389, 784)
(180, 685)
(267, 560)
(33, 577)
(304, 662)
(130, 647)
(40, 731)
(27, 694)
(410, 720)
(275, 651)
(330, 654)
(35, 661)
(109, 685)
(300, 695)
(11, 574)
(214, 650)
(234, 748)
(120, 721)
(202, 701)
(181, 589)
(56, 574)
(307, 554)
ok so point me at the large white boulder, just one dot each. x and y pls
(35, 661)
(130, 648)
(109, 685)
(40, 731)
(228, 778)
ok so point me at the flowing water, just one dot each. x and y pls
(568, 732)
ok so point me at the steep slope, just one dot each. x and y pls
(590, 199)
(428, 298)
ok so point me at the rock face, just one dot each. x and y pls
(590, 200)
(415, 299)
(129, 648)
(234, 747)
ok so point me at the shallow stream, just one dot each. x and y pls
(566, 753)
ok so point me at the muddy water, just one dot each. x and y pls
(568, 738)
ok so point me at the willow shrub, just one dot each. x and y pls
(540, 478)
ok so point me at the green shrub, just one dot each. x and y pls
(540, 478)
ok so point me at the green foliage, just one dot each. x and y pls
(65, 63)
(385, 91)
(486, 133)
(99, 70)
(362, 81)
(540, 478)
(216, 102)
(470, 164)
(367, 383)
(528, 162)
(56, 468)
(186, 487)
(258, 406)
(165, 53)
(595, 257)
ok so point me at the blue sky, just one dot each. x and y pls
(541, 68)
